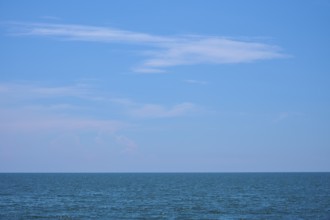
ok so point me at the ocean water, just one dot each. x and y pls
(165, 196)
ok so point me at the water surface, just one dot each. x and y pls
(165, 196)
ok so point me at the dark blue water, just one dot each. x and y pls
(165, 196)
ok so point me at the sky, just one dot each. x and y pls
(164, 86)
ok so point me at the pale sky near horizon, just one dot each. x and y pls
(164, 86)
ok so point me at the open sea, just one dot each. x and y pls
(165, 196)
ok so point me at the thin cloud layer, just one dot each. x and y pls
(161, 51)
(192, 81)
(159, 111)
(22, 111)
(33, 91)
(36, 123)
(31, 96)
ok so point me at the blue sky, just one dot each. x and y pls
(164, 86)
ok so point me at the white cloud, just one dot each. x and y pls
(52, 107)
(20, 121)
(148, 70)
(87, 33)
(212, 51)
(282, 116)
(122, 101)
(130, 145)
(39, 112)
(159, 111)
(143, 110)
(49, 17)
(27, 108)
(23, 112)
(167, 51)
(29, 97)
(286, 115)
(192, 81)
(32, 90)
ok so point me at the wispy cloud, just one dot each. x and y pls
(130, 145)
(30, 97)
(23, 111)
(22, 108)
(22, 121)
(282, 116)
(87, 33)
(32, 90)
(49, 17)
(286, 115)
(150, 111)
(162, 51)
(146, 69)
(192, 81)
(211, 50)
(159, 111)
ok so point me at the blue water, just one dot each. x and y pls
(165, 196)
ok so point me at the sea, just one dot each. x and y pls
(165, 196)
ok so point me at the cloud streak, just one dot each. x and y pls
(35, 91)
(42, 99)
(27, 107)
(159, 111)
(23, 112)
(161, 51)
(198, 82)
(35, 123)
(36, 110)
